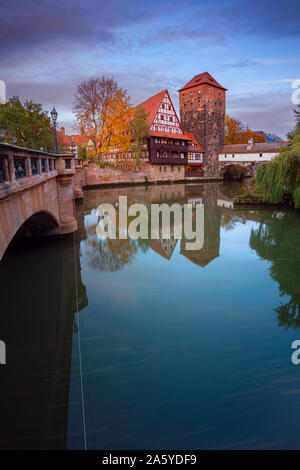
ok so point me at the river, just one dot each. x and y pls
(142, 344)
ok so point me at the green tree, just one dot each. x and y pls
(279, 179)
(26, 125)
(139, 132)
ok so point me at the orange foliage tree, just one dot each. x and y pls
(237, 133)
(103, 112)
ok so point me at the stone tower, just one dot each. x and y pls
(202, 103)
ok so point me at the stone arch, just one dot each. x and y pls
(40, 223)
(246, 171)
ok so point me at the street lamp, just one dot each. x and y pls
(54, 115)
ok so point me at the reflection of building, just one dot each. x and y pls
(163, 247)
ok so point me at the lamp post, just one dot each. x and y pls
(54, 115)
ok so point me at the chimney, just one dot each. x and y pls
(62, 130)
(250, 143)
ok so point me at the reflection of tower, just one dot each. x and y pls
(37, 304)
(212, 222)
(202, 112)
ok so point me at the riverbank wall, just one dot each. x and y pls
(94, 175)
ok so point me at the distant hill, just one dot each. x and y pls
(270, 137)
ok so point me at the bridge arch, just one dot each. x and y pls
(40, 223)
(235, 171)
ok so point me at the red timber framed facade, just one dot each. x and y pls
(167, 144)
(195, 157)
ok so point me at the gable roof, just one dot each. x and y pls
(191, 137)
(264, 147)
(151, 105)
(201, 79)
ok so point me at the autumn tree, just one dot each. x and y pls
(236, 133)
(102, 111)
(26, 125)
(139, 128)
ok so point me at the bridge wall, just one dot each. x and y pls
(42, 203)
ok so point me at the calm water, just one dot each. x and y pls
(186, 350)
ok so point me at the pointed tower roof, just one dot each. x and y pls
(201, 79)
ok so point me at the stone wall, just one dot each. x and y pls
(203, 113)
(94, 174)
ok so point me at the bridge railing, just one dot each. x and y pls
(20, 167)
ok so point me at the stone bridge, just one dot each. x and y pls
(248, 168)
(247, 156)
(37, 193)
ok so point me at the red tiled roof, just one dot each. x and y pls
(262, 147)
(151, 105)
(193, 139)
(201, 79)
(170, 135)
(78, 139)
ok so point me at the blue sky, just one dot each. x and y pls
(251, 48)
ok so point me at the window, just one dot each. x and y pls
(43, 165)
(171, 118)
(182, 155)
(157, 154)
(172, 168)
(34, 166)
(163, 106)
(68, 164)
(156, 128)
(233, 155)
(162, 117)
(179, 169)
(260, 155)
(191, 93)
(19, 164)
(165, 169)
(160, 169)
(2, 171)
(163, 129)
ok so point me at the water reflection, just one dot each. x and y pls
(180, 349)
(277, 239)
(38, 304)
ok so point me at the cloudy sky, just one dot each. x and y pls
(251, 47)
